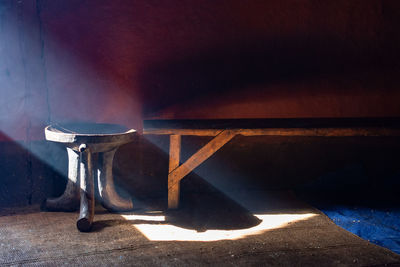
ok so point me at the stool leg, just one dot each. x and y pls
(86, 214)
(69, 200)
(109, 197)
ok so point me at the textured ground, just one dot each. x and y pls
(208, 230)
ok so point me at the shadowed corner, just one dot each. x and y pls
(30, 172)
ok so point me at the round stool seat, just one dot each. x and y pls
(97, 136)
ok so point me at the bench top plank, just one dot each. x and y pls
(278, 127)
(282, 132)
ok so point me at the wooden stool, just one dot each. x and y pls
(91, 149)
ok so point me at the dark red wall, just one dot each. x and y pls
(122, 61)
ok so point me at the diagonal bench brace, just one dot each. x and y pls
(178, 172)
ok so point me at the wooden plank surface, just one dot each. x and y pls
(174, 158)
(197, 132)
(343, 131)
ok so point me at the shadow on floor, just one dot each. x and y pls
(198, 211)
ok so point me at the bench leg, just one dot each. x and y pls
(174, 158)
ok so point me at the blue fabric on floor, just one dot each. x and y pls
(366, 207)
(381, 227)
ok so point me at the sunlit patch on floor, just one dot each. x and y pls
(167, 232)
(150, 218)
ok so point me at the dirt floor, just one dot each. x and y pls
(277, 230)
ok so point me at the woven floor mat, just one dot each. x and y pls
(299, 237)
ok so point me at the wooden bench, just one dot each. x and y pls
(224, 130)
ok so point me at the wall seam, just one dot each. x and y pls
(39, 8)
